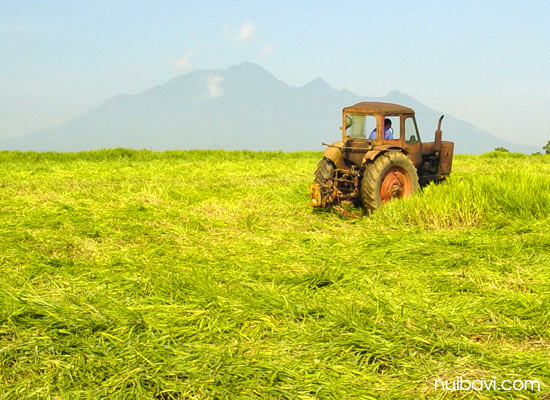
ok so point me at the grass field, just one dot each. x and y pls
(200, 274)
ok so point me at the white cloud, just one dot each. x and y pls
(213, 86)
(267, 50)
(183, 63)
(246, 31)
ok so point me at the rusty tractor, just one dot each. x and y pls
(379, 158)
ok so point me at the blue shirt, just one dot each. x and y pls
(388, 134)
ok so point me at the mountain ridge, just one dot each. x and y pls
(241, 107)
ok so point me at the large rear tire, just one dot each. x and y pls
(392, 175)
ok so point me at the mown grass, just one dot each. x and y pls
(205, 274)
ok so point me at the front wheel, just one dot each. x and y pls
(322, 188)
(391, 176)
(325, 171)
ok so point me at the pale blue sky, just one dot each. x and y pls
(482, 61)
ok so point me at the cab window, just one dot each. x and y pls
(360, 126)
(393, 132)
(411, 134)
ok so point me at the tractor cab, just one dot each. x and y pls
(382, 124)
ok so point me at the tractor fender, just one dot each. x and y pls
(334, 154)
(373, 154)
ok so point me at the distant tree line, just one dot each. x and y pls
(546, 149)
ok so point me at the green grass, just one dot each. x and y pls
(205, 274)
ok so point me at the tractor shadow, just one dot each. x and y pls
(344, 211)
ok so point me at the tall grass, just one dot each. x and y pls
(135, 274)
(498, 199)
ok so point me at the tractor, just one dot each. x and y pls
(379, 158)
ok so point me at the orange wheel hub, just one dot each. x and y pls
(396, 183)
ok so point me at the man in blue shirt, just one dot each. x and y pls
(388, 130)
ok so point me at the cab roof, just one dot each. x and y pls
(375, 107)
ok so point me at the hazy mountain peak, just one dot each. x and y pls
(396, 93)
(400, 96)
(246, 64)
(317, 83)
(248, 68)
(247, 72)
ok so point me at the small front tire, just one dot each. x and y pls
(325, 171)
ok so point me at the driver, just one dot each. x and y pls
(388, 130)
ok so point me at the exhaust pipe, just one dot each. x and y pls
(438, 135)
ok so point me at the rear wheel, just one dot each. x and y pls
(391, 176)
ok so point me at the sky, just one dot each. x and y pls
(482, 61)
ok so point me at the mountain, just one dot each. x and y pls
(243, 107)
